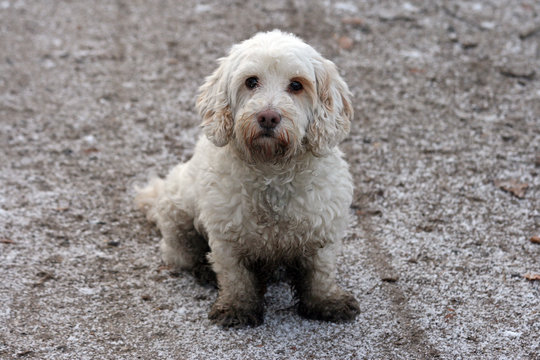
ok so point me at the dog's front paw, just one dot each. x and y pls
(234, 316)
(342, 307)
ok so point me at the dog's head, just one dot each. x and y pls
(274, 97)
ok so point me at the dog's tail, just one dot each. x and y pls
(148, 196)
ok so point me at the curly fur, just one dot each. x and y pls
(252, 200)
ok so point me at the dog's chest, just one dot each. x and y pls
(277, 200)
(278, 216)
(282, 218)
(272, 202)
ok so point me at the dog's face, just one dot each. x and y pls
(274, 97)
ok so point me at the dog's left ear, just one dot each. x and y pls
(332, 112)
(213, 106)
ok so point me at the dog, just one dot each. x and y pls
(267, 187)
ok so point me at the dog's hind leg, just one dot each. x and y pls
(182, 245)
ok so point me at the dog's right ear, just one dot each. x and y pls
(213, 106)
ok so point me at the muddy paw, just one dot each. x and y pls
(343, 307)
(231, 316)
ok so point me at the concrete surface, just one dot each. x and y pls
(96, 95)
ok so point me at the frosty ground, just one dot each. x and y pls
(444, 150)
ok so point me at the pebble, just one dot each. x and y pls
(48, 64)
(518, 69)
(90, 139)
(488, 25)
(345, 42)
(469, 41)
(529, 30)
(395, 15)
(512, 334)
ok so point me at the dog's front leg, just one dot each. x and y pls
(240, 298)
(320, 296)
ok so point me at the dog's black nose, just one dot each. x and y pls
(268, 119)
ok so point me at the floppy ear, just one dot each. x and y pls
(332, 112)
(213, 106)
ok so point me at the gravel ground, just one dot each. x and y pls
(444, 150)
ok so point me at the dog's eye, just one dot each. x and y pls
(295, 86)
(252, 82)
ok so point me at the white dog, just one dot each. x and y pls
(267, 186)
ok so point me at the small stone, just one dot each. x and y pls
(469, 41)
(513, 187)
(395, 15)
(408, 7)
(140, 116)
(390, 278)
(345, 42)
(48, 64)
(352, 21)
(518, 69)
(57, 42)
(529, 31)
(488, 25)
